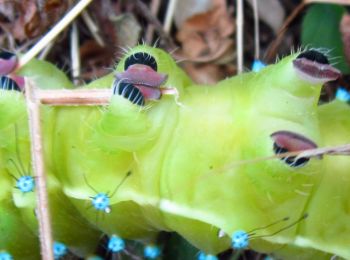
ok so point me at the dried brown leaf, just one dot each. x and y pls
(27, 19)
(208, 73)
(205, 36)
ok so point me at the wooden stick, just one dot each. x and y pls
(62, 24)
(33, 108)
(77, 97)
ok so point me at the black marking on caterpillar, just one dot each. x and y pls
(128, 91)
(141, 58)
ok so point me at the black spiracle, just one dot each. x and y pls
(291, 161)
(314, 55)
(7, 83)
(6, 55)
(141, 58)
(128, 91)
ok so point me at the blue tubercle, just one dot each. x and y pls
(204, 256)
(101, 202)
(240, 240)
(59, 250)
(258, 65)
(343, 94)
(25, 184)
(151, 251)
(268, 258)
(5, 256)
(116, 244)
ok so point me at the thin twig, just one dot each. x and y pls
(271, 52)
(143, 10)
(74, 53)
(93, 28)
(59, 27)
(239, 37)
(33, 107)
(256, 31)
(317, 152)
(45, 51)
(169, 15)
(155, 4)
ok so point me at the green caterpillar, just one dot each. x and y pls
(151, 162)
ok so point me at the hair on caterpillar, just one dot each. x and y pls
(156, 43)
(25, 183)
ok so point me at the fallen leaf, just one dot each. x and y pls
(208, 73)
(205, 37)
(188, 8)
(127, 29)
(28, 19)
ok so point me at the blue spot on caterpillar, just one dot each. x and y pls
(204, 256)
(101, 202)
(241, 238)
(151, 252)
(116, 244)
(59, 250)
(258, 65)
(25, 184)
(342, 94)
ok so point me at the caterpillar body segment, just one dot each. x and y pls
(188, 162)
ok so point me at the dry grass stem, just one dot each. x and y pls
(74, 53)
(239, 37)
(169, 16)
(155, 5)
(93, 28)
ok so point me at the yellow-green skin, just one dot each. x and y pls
(16, 238)
(183, 155)
(180, 176)
(68, 226)
(101, 154)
